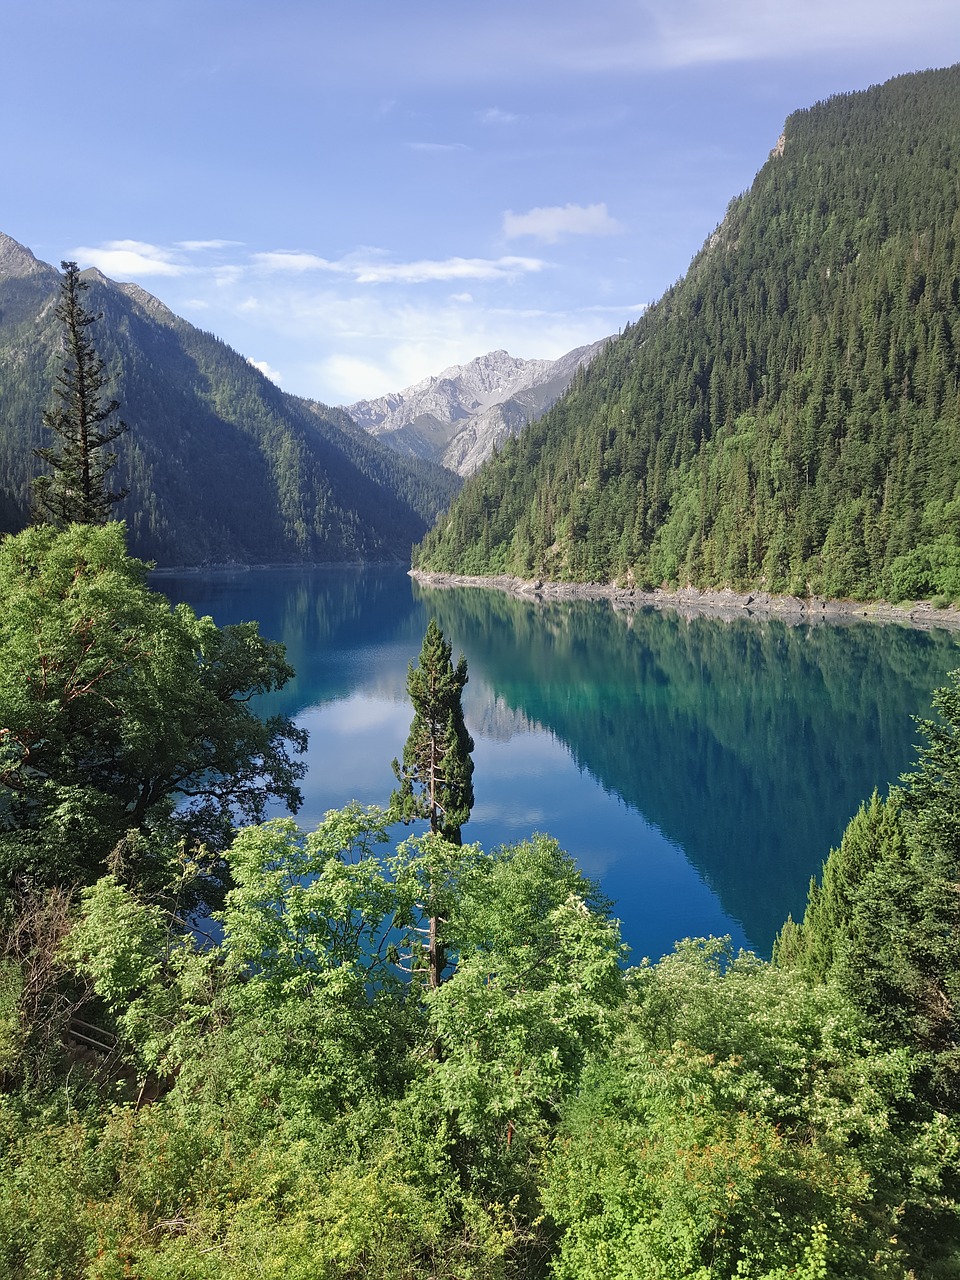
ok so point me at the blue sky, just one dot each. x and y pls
(356, 195)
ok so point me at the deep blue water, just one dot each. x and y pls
(699, 769)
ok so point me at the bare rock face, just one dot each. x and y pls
(460, 416)
(17, 262)
(148, 303)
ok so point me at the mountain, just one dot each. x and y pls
(460, 416)
(788, 414)
(222, 465)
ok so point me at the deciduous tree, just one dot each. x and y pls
(116, 707)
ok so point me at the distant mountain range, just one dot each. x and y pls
(460, 416)
(222, 466)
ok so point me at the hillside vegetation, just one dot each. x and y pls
(221, 464)
(787, 415)
(392, 1061)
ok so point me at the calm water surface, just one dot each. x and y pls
(699, 769)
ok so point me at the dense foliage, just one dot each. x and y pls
(884, 923)
(319, 1113)
(221, 465)
(298, 1092)
(122, 719)
(787, 415)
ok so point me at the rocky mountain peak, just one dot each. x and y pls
(96, 275)
(147, 302)
(144, 300)
(17, 262)
(462, 414)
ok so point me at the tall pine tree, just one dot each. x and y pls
(76, 492)
(436, 777)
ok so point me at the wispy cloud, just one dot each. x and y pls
(616, 309)
(288, 260)
(437, 146)
(375, 268)
(554, 223)
(120, 259)
(535, 40)
(136, 258)
(679, 33)
(198, 246)
(447, 269)
(494, 115)
(362, 324)
(502, 42)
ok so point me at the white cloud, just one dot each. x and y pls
(289, 260)
(616, 308)
(438, 146)
(197, 246)
(121, 259)
(372, 345)
(552, 223)
(446, 269)
(351, 378)
(266, 370)
(371, 266)
(227, 274)
(364, 324)
(494, 115)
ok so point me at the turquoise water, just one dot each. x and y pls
(699, 769)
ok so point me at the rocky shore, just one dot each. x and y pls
(691, 601)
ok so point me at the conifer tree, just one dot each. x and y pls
(76, 491)
(436, 777)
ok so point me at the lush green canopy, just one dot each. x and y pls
(297, 1094)
(115, 708)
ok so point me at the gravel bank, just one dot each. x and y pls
(691, 601)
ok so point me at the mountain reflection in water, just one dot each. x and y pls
(700, 768)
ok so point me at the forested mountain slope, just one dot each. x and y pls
(786, 415)
(221, 464)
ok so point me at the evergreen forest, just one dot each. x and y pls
(220, 464)
(786, 416)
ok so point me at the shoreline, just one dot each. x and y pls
(694, 601)
(229, 566)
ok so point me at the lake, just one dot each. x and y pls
(700, 769)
